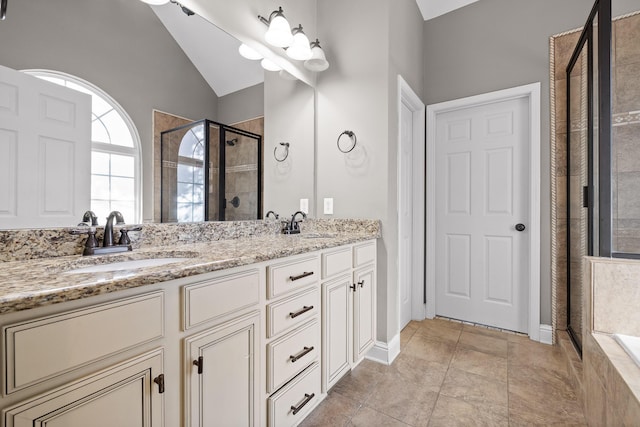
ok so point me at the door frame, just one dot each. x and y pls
(532, 93)
(408, 97)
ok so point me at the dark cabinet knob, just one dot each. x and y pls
(520, 227)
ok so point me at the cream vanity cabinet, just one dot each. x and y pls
(293, 339)
(348, 308)
(44, 348)
(222, 361)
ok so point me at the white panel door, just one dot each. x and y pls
(482, 193)
(45, 152)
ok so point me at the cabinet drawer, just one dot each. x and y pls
(300, 396)
(49, 346)
(209, 300)
(290, 312)
(336, 262)
(290, 276)
(289, 355)
(364, 254)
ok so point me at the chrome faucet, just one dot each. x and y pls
(107, 239)
(89, 217)
(293, 227)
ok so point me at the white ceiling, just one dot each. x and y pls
(432, 8)
(212, 51)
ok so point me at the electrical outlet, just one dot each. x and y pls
(328, 206)
(304, 205)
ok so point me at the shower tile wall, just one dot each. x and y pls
(626, 135)
(242, 172)
(626, 148)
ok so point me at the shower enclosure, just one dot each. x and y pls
(603, 149)
(210, 171)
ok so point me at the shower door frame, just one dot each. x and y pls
(603, 196)
(222, 130)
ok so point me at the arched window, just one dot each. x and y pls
(115, 151)
(191, 176)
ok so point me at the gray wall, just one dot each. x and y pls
(119, 46)
(242, 105)
(496, 44)
(368, 43)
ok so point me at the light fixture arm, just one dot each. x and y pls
(266, 21)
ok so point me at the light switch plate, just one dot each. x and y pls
(328, 206)
(304, 205)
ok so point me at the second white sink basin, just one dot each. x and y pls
(125, 265)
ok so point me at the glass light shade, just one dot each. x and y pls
(318, 61)
(155, 2)
(249, 53)
(269, 65)
(279, 32)
(287, 75)
(299, 49)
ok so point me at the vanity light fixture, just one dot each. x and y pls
(279, 32)
(299, 49)
(3, 10)
(269, 65)
(249, 53)
(318, 61)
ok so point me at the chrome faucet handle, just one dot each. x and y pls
(124, 235)
(91, 243)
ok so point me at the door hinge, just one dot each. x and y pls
(200, 364)
(160, 381)
(585, 197)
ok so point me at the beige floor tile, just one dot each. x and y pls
(531, 353)
(452, 412)
(542, 396)
(486, 365)
(335, 410)
(358, 384)
(367, 417)
(484, 343)
(445, 323)
(427, 374)
(406, 334)
(440, 331)
(485, 331)
(433, 350)
(482, 392)
(409, 402)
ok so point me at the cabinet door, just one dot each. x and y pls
(336, 324)
(222, 373)
(124, 395)
(364, 312)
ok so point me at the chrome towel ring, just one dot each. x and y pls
(351, 136)
(286, 152)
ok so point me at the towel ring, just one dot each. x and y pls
(286, 152)
(353, 138)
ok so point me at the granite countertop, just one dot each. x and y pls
(35, 283)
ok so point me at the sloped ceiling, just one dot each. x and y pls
(433, 8)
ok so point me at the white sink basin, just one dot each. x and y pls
(125, 265)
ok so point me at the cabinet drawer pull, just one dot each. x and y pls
(307, 398)
(200, 364)
(300, 355)
(160, 381)
(361, 283)
(301, 276)
(303, 311)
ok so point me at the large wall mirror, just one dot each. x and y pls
(152, 62)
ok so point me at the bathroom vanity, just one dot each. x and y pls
(250, 331)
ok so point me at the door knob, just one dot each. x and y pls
(520, 227)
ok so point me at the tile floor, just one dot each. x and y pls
(450, 374)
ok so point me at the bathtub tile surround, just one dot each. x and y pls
(33, 261)
(611, 379)
(450, 374)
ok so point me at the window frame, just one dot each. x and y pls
(135, 151)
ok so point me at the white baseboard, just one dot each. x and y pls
(546, 334)
(385, 353)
